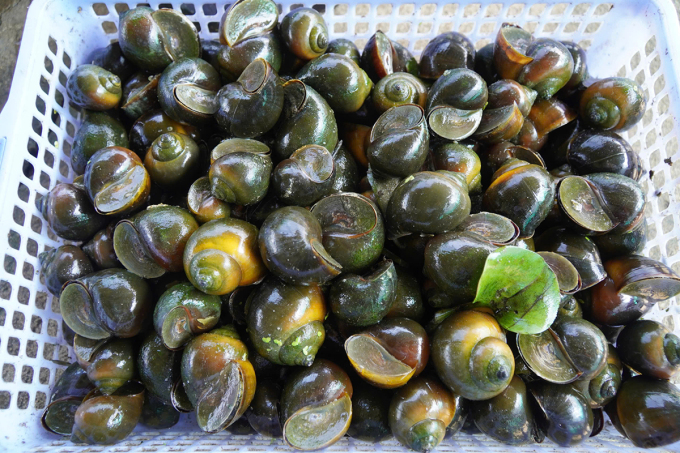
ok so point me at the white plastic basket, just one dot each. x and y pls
(634, 38)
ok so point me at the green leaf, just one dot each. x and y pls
(520, 288)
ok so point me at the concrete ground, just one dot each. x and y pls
(12, 17)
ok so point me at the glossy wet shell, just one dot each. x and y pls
(446, 51)
(70, 214)
(650, 348)
(305, 177)
(222, 255)
(94, 88)
(471, 356)
(98, 131)
(158, 367)
(614, 103)
(62, 264)
(304, 32)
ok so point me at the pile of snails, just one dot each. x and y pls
(288, 236)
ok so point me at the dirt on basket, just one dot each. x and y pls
(12, 18)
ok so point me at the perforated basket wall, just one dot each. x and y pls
(626, 38)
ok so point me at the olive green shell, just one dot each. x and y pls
(460, 88)
(158, 366)
(203, 204)
(251, 106)
(603, 151)
(346, 177)
(291, 246)
(378, 57)
(615, 103)
(370, 411)
(140, 95)
(508, 417)
(187, 89)
(650, 348)
(247, 18)
(158, 414)
(112, 59)
(67, 394)
(399, 141)
(316, 406)
(471, 356)
(364, 300)
(69, 213)
(446, 51)
(152, 125)
(233, 60)
(353, 229)
(152, 242)
(116, 181)
(306, 119)
(172, 160)
(408, 302)
(285, 321)
(504, 92)
(112, 365)
(183, 312)
(455, 261)
(420, 412)
(67, 262)
(98, 131)
(305, 177)
(647, 411)
(304, 32)
(550, 69)
(563, 413)
(108, 419)
(154, 39)
(241, 177)
(263, 413)
(344, 47)
(100, 248)
(398, 88)
(428, 202)
(105, 303)
(94, 88)
(339, 80)
(524, 193)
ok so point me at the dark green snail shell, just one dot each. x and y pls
(112, 59)
(252, 105)
(344, 47)
(187, 89)
(263, 414)
(233, 60)
(112, 365)
(346, 177)
(98, 131)
(154, 39)
(446, 51)
(364, 300)
(428, 202)
(460, 88)
(158, 414)
(353, 229)
(304, 32)
(70, 214)
(305, 177)
(399, 141)
(140, 95)
(158, 366)
(603, 151)
(551, 68)
(306, 119)
(291, 246)
(67, 262)
(370, 407)
(94, 88)
(241, 177)
(172, 160)
(67, 394)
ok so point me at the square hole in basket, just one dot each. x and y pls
(52, 328)
(427, 9)
(28, 169)
(100, 9)
(493, 10)
(445, 27)
(18, 320)
(403, 27)
(213, 27)
(49, 159)
(10, 264)
(40, 400)
(121, 7)
(340, 27)
(23, 400)
(571, 27)
(18, 216)
(28, 271)
(36, 224)
(52, 138)
(383, 27)
(44, 180)
(13, 346)
(165, 6)
(63, 168)
(26, 374)
(320, 8)
(23, 295)
(593, 27)
(198, 26)
(67, 60)
(188, 9)
(558, 9)
(210, 9)
(70, 129)
(472, 9)
(40, 104)
(59, 97)
(32, 148)
(515, 9)
(450, 9)
(603, 9)
(14, 239)
(5, 399)
(109, 27)
(466, 27)
(407, 9)
(63, 79)
(36, 324)
(384, 9)
(52, 45)
(44, 376)
(3, 315)
(361, 28)
(5, 293)
(341, 9)
(32, 349)
(8, 372)
(424, 27)
(36, 124)
(23, 192)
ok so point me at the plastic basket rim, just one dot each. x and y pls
(668, 16)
